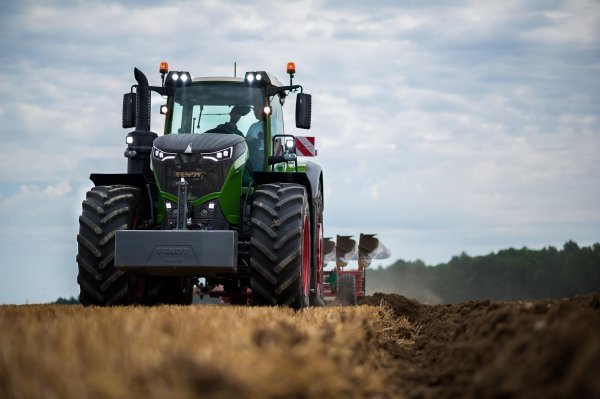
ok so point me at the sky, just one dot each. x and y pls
(443, 127)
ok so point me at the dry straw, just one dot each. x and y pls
(51, 351)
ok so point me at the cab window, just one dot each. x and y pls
(277, 127)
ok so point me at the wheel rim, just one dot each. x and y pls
(305, 257)
(319, 257)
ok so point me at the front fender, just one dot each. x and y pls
(128, 179)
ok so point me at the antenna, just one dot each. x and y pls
(235, 69)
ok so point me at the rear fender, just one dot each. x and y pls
(311, 178)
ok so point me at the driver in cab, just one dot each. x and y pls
(234, 116)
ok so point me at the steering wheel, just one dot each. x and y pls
(217, 130)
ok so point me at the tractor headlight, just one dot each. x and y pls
(260, 78)
(160, 155)
(221, 155)
(129, 140)
(178, 79)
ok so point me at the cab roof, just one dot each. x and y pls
(273, 78)
(218, 79)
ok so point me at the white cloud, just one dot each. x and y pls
(577, 23)
(32, 201)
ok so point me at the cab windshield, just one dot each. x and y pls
(215, 108)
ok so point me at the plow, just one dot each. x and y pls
(345, 284)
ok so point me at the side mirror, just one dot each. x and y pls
(303, 108)
(129, 103)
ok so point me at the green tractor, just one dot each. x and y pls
(218, 205)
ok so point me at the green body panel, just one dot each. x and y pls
(290, 167)
(229, 198)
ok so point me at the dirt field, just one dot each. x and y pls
(395, 348)
(542, 349)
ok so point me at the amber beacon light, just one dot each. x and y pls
(164, 67)
(291, 70)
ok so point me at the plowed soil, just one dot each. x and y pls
(390, 347)
(542, 349)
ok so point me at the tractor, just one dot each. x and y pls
(217, 205)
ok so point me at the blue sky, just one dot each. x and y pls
(447, 127)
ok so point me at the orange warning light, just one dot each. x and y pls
(164, 67)
(291, 68)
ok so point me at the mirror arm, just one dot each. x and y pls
(274, 90)
(163, 91)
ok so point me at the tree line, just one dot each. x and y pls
(508, 275)
(67, 301)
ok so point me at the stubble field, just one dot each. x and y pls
(390, 347)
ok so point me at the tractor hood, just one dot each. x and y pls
(197, 143)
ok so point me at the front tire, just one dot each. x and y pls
(106, 209)
(280, 246)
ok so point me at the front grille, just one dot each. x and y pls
(203, 175)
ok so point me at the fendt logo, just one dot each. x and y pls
(169, 251)
(199, 174)
(173, 255)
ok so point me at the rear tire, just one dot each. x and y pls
(347, 290)
(106, 209)
(280, 246)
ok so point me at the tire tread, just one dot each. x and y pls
(277, 219)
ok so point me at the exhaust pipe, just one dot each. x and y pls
(139, 150)
(142, 112)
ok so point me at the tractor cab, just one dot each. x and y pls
(249, 107)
